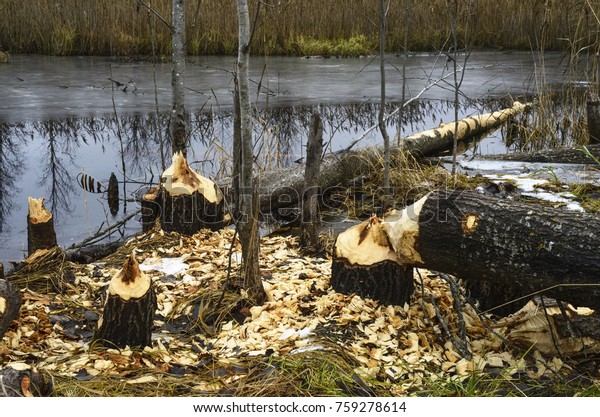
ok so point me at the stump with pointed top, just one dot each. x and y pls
(128, 314)
(188, 202)
(364, 262)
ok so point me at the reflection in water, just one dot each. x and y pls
(11, 168)
(59, 150)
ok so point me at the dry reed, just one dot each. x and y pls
(342, 27)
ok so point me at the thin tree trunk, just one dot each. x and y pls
(178, 123)
(248, 201)
(309, 227)
(404, 57)
(381, 119)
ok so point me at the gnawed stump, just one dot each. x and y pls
(128, 314)
(10, 304)
(553, 330)
(364, 262)
(188, 202)
(24, 383)
(40, 227)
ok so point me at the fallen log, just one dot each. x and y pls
(555, 156)
(128, 315)
(283, 188)
(364, 263)
(40, 227)
(10, 305)
(187, 202)
(593, 117)
(519, 248)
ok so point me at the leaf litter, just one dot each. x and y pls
(208, 341)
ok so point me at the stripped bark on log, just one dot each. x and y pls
(40, 227)
(283, 188)
(526, 247)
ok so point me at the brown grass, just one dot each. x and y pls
(121, 27)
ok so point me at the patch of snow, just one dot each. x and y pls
(169, 266)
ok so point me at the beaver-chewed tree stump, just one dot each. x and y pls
(40, 227)
(364, 262)
(128, 314)
(150, 208)
(10, 304)
(187, 201)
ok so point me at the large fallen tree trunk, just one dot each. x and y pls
(283, 188)
(555, 156)
(519, 248)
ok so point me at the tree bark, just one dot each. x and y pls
(282, 188)
(519, 248)
(10, 305)
(309, 227)
(555, 156)
(365, 263)
(40, 227)
(247, 221)
(187, 202)
(178, 121)
(150, 208)
(128, 315)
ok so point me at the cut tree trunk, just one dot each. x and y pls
(40, 227)
(128, 315)
(593, 117)
(365, 263)
(150, 208)
(555, 156)
(10, 305)
(280, 189)
(518, 248)
(24, 383)
(309, 227)
(187, 201)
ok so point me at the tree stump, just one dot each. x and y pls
(113, 194)
(128, 314)
(40, 227)
(10, 304)
(150, 208)
(364, 262)
(24, 383)
(188, 201)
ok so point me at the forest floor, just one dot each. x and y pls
(306, 340)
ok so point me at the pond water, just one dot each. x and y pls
(65, 117)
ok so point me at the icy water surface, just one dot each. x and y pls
(65, 117)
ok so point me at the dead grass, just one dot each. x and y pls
(122, 27)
